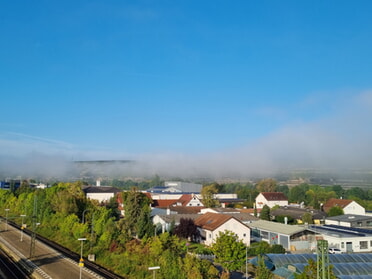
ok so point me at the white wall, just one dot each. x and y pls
(354, 208)
(241, 230)
(355, 243)
(261, 201)
(101, 197)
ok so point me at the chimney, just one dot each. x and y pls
(168, 211)
(98, 182)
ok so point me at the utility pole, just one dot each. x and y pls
(323, 270)
(33, 233)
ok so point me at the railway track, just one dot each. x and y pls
(101, 271)
(9, 269)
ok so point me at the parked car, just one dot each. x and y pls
(334, 251)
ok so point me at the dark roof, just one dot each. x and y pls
(177, 217)
(297, 213)
(101, 189)
(274, 196)
(350, 218)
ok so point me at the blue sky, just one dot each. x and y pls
(192, 79)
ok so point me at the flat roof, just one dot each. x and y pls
(341, 231)
(350, 218)
(276, 227)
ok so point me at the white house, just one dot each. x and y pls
(211, 224)
(348, 206)
(348, 240)
(271, 199)
(101, 193)
(164, 222)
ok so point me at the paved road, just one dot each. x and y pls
(46, 262)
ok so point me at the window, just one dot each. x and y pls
(363, 244)
(359, 224)
(343, 245)
(264, 235)
(244, 235)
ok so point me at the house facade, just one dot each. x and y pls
(348, 206)
(350, 220)
(348, 240)
(164, 222)
(102, 194)
(210, 225)
(298, 213)
(271, 199)
(291, 237)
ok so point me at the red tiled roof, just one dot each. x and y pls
(164, 203)
(187, 209)
(185, 199)
(211, 221)
(274, 196)
(250, 210)
(336, 202)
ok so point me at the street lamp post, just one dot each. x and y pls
(154, 268)
(82, 219)
(246, 262)
(22, 226)
(6, 218)
(81, 261)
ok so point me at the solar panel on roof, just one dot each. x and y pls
(346, 266)
(351, 229)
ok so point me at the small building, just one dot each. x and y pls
(164, 222)
(271, 199)
(176, 187)
(348, 206)
(291, 237)
(350, 220)
(10, 184)
(211, 224)
(243, 217)
(348, 240)
(101, 193)
(185, 200)
(297, 214)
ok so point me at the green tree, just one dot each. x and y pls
(335, 211)
(207, 193)
(229, 251)
(310, 271)
(307, 218)
(297, 193)
(266, 185)
(262, 272)
(338, 190)
(265, 213)
(317, 195)
(136, 213)
(356, 192)
(283, 189)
